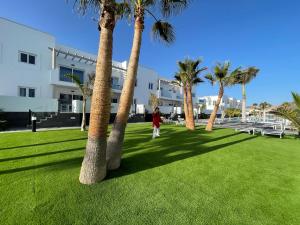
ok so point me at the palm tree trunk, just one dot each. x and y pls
(116, 137)
(213, 115)
(83, 122)
(244, 103)
(93, 167)
(190, 109)
(185, 108)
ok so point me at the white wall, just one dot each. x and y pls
(23, 104)
(14, 38)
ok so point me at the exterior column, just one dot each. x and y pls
(53, 66)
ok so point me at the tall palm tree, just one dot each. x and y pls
(290, 111)
(161, 30)
(187, 77)
(224, 77)
(86, 89)
(94, 167)
(243, 78)
(263, 107)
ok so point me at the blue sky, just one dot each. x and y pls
(262, 33)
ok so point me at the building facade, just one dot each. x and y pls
(209, 103)
(33, 68)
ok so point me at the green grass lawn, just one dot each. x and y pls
(182, 177)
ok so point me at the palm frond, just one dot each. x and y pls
(163, 31)
(172, 7)
(210, 78)
(296, 98)
(82, 6)
(76, 80)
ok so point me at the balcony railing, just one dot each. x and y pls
(116, 86)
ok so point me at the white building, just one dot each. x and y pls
(226, 102)
(33, 68)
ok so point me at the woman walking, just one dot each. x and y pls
(156, 120)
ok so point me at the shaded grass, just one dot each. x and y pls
(182, 177)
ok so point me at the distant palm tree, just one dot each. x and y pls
(86, 89)
(290, 111)
(94, 166)
(221, 75)
(243, 78)
(263, 107)
(187, 77)
(160, 29)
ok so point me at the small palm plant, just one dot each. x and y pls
(224, 77)
(86, 90)
(290, 111)
(187, 77)
(243, 78)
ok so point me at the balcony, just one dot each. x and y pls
(169, 95)
(54, 79)
(117, 87)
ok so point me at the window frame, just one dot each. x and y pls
(72, 69)
(26, 91)
(28, 54)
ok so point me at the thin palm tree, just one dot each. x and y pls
(243, 78)
(224, 77)
(94, 167)
(263, 107)
(86, 89)
(290, 112)
(161, 30)
(187, 77)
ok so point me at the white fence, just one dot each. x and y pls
(23, 104)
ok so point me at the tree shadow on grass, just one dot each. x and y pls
(46, 143)
(68, 163)
(169, 151)
(160, 152)
(40, 154)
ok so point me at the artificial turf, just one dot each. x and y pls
(182, 177)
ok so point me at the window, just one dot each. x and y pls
(150, 86)
(193, 95)
(63, 71)
(135, 84)
(31, 59)
(22, 92)
(134, 101)
(27, 58)
(114, 100)
(77, 97)
(26, 92)
(31, 92)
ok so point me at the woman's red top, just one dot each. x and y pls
(156, 120)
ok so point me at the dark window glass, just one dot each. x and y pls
(150, 86)
(114, 100)
(31, 92)
(79, 74)
(31, 59)
(134, 101)
(62, 74)
(23, 92)
(77, 97)
(23, 57)
(135, 84)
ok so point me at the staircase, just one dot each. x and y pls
(56, 119)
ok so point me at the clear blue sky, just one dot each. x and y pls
(262, 33)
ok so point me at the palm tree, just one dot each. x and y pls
(163, 31)
(290, 111)
(86, 90)
(153, 101)
(187, 77)
(93, 167)
(221, 75)
(243, 78)
(263, 107)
